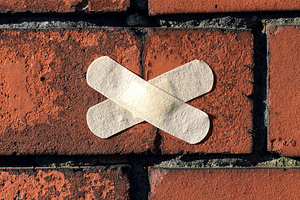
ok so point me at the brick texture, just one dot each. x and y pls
(203, 6)
(224, 183)
(44, 96)
(229, 54)
(284, 83)
(67, 183)
(63, 6)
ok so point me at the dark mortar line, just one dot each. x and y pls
(148, 159)
(108, 19)
(260, 89)
(138, 178)
(224, 20)
(29, 20)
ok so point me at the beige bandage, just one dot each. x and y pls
(156, 101)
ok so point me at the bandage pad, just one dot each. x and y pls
(185, 82)
(144, 101)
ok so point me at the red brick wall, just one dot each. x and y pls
(47, 150)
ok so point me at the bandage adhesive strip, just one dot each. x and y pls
(133, 100)
(185, 82)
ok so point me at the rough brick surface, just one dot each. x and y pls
(63, 6)
(68, 183)
(44, 96)
(204, 6)
(108, 5)
(284, 83)
(229, 54)
(256, 183)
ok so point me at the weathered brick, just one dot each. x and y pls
(108, 5)
(256, 183)
(157, 7)
(44, 96)
(66, 183)
(229, 54)
(63, 6)
(284, 83)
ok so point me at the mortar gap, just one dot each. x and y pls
(260, 89)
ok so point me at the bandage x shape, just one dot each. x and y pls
(160, 101)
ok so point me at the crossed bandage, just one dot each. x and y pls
(160, 101)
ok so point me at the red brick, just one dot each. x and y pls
(44, 96)
(257, 183)
(203, 6)
(283, 95)
(229, 54)
(63, 6)
(67, 183)
(108, 5)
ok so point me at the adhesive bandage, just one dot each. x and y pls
(159, 101)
